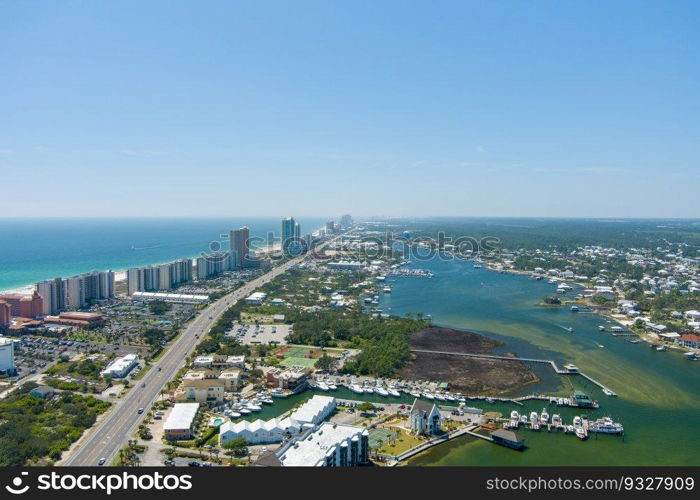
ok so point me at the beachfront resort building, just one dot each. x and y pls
(328, 445)
(425, 418)
(24, 306)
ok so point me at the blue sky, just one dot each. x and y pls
(369, 107)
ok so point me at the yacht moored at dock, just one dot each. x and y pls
(606, 425)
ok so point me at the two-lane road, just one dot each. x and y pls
(106, 438)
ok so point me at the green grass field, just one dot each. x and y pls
(380, 437)
(294, 361)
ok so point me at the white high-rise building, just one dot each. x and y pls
(7, 355)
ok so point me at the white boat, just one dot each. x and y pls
(322, 386)
(523, 419)
(570, 429)
(415, 394)
(394, 393)
(428, 395)
(244, 411)
(440, 397)
(332, 387)
(581, 433)
(356, 389)
(601, 328)
(556, 420)
(691, 356)
(368, 390)
(578, 422)
(544, 416)
(534, 417)
(450, 397)
(662, 348)
(574, 309)
(253, 407)
(514, 415)
(608, 392)
(387, 289)
(381, 391)
(606, 425)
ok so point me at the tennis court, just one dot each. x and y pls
(298, 352)
(294, 361)
(380, 437)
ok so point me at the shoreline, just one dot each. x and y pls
(119, 274)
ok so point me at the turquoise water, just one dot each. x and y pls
(35, 249)
(659, 392)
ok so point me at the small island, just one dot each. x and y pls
(468, 375)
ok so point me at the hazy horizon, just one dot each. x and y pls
(540, 109)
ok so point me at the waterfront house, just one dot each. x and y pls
(291, 379)
(582, 400)
(315, 410)
(207, 390)
(508, 438)
(231, 378)
(425, 418)
(259, 432)
(690, 340)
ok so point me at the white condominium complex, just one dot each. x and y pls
(161, 277)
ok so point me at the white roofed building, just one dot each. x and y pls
(120, 367)
(180, 422)
(315, 410)
(329, 445)
(259, 432)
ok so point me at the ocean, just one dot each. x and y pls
(35, 249)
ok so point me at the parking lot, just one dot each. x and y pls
(260, 334)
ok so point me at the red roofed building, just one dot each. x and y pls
(690, 340)
(26, 306)
(5, 313)
(76, 318)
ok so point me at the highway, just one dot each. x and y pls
(107, 436)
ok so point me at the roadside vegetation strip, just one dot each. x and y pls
(37, 430)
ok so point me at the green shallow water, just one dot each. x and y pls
(659, 392)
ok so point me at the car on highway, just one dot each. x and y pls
(102, 461)
(143, 385)
(140, 411)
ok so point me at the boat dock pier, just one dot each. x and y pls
(557, 370)
(436, 441)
